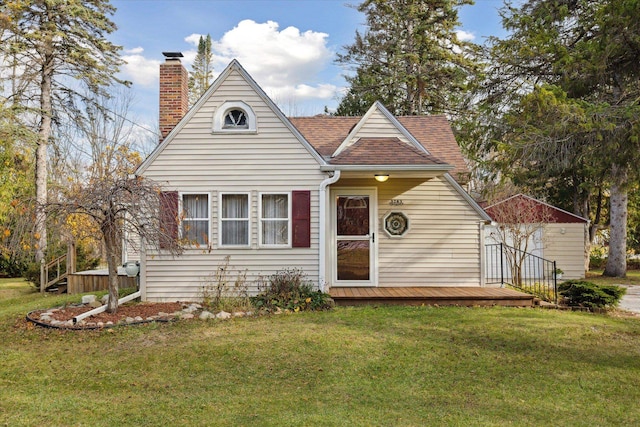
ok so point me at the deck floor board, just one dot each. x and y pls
(464, 295)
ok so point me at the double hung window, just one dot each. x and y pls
(234, 219)
(195, 218)
(275, 214)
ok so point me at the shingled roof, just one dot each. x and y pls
(326, 133)
(383, 151)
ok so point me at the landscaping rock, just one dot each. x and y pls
(223, 315)
(105, 299)
(206, 315)
(88, 299)
(138, 319)
(190, 309)
(129, 320)
(95, 304)
(187, 316)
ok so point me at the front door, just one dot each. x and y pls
(354, 237)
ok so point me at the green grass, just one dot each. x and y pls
(595, 276)
(387, 366)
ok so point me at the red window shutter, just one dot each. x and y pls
(168, 219)
(301, 219)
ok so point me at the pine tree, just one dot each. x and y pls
(58, 44)
(562, 102)
(201, 75)
(409, 58)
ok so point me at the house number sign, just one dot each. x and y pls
(396, 202)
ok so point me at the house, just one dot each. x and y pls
(371, 201)
(545, 231)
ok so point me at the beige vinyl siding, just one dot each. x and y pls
(131, 248)
(200, 161)
(442, 246)
(567, 248)
(376, 127)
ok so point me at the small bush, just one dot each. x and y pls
(290, 289)
(580, 293)
(226, 289)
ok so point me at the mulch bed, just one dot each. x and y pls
(142, 310)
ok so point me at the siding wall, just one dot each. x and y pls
(379, 126)
(567, 248)
(442, 246)
(195, 160)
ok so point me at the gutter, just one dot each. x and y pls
(323, 226)
(104, 307)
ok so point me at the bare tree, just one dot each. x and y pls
(520, 219)
(120, 206)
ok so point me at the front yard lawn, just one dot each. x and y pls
(391, 366)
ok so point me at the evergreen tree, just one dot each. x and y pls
(201, 75)
(409, 58)
(57, 44)
(561, 103)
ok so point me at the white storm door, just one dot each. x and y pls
(354, 252)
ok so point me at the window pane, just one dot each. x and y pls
(235, 119)
(235, 206)
(196, 231)
(275, 206)
(195, 205)
(235, 232)
(353, 215)
(353, 260)
(195, 218)
(275, 232)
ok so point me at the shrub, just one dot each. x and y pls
(223, 290)
(290, 289)
(581, 293)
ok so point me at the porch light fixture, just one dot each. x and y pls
(381, 177)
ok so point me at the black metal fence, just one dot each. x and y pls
(521, 270)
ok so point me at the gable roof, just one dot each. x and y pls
(327, 133)
(555, 215)
(379, 151)
(233, 66)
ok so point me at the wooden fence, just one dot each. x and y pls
(87, 282)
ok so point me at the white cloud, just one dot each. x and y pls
(194, 39)
(465, 36)
(282, 62)
(134, 51)
(138, 69)
(286, 63)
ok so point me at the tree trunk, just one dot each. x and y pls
(44, 133)
(112, 242)
(617, 261)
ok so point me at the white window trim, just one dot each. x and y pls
(182, 219)
(260, 219)
(221, 112)
(220, 219)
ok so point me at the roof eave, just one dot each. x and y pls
(377, 167)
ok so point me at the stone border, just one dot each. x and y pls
(188, 312)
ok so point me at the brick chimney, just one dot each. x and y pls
(174, 92)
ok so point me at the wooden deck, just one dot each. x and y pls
(464, 296)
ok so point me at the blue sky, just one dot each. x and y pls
(288, 46)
